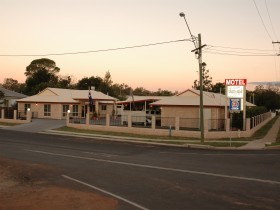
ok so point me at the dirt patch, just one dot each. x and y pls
(34, 186)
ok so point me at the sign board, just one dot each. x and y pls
(235, 104)
(235, 91)
(235, 82)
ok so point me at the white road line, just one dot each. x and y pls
(218, 154)
(104, 191)
(101, 154)
(160, 168)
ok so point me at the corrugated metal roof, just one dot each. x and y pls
(11, 94)
(142, 98)
(185, 99)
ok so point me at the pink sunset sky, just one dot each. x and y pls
(39, 27)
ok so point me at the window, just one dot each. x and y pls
(103, 107)
(75, 110)
(26, 107)
(47, 110)
(65, 108)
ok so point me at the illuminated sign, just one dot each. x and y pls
(235, 104)
(235, 91)
(235, 82)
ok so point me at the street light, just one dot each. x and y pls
(192, 36)
(198, 50)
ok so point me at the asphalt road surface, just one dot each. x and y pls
(151, 177)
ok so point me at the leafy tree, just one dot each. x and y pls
(219, 87)
(206, 80)
(106, 85)
(41, 64)
(163, 93)
(41, 73)
(120, 91)
(140, 91)
(269, 98)
(87, 82)
(11, 84)
(64, 82)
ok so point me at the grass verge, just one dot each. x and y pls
(75, 130)
(8, 124)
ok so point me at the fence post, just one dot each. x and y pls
(67, 118)
(2, 114)
(177, 123)
(107, 120)
(87, 118)
(248, 124)
(129, 121)
(153, 122)
(28, 116)
(15, 114)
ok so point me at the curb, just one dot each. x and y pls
(155, 142)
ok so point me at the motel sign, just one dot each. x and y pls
(235, 82)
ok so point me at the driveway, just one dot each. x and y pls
(38, 125)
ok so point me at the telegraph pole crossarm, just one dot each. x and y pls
(199, 48)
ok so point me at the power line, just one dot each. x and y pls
(96, 51)
(239, 54)
(270, 20)
(262, 20)
(238, 48)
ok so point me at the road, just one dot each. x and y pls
(154, 177)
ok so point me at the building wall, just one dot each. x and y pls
(37, 110)
(189, 116)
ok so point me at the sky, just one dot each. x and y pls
(39, 27)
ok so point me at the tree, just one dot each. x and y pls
(64, 82)
(11, 84)
(106, 85)
(41, 73)
(87, 82)
(120, 91)
(161, 92)
(219, 88)
(206, 80)
(41, 64)
(269, 98)
(140, 91)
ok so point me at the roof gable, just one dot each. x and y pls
(189, 93)
(66, 96)
(47, 92)
(11, 94)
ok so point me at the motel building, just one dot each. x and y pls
(55, 103)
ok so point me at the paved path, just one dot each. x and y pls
(38, 125)
(269, 138)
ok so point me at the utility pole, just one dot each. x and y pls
(277, 43)
(198, 51)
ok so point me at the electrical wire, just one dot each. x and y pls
(262, 20)
(270, 20)
(234, 51)
(237, 48)
(95, 51)
(237, 54)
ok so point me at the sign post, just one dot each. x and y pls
(236, 93)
